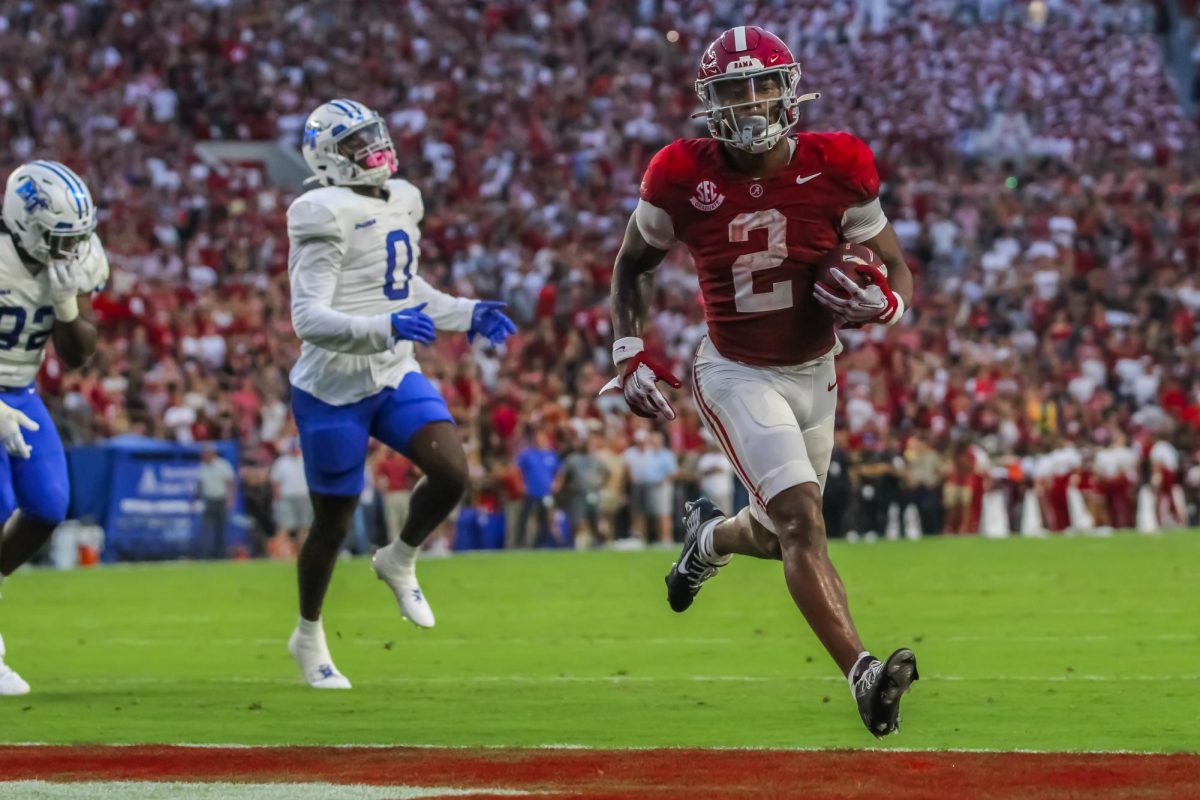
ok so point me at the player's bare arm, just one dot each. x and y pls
(633, 282)
(900, 278)
(75, 340)
(632, 292)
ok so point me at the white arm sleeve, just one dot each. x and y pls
(449, 313)
(314, 261)
(94, 272)
(313, 269)
(655, 225)
(863, 222)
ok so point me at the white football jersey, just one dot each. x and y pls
(27, 311)
(353, 262)
(1164, 454)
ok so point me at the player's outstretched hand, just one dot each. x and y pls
(414, 325)
(637, 377)
(11, 423)
(488, 321)
(875, 302)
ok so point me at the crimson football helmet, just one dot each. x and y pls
(748, 83)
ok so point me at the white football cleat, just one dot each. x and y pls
(316, 665)
(11, 684)
(403, 582)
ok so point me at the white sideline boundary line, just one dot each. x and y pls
(584, 747)
(399, 640)
(618, 679)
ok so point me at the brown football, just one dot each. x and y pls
(846, 257)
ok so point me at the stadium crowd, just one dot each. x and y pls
(1048, 200)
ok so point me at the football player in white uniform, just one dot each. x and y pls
(359, 305)
(50, 262)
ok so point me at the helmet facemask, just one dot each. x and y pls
(752, 109)
(47, 245)
(359, 154)
(69, 246)
(369, 148)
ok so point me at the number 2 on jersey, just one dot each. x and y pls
(745, 298)
(390, 289)
(9, 339)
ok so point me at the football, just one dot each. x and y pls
(845, 257)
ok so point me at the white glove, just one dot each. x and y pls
(64, 290)
(11, 422)
(637, 377)
(874, 303)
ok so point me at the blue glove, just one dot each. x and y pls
(489, 321)
(414, 325)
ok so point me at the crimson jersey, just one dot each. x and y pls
(756, 242)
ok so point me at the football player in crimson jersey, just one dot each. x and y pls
(757, 206)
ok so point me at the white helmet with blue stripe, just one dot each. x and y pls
(50, 211)
(347, 144)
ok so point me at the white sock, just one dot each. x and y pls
(404, 555)
(861, 663)
(704, 542)
(310, 629)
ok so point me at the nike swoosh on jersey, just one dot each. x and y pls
(831, 386)
(805, 178)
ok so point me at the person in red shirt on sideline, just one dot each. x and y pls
(396, 476)
(757, 207)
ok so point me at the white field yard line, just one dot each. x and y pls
(218, 790)
(584, 747)
(399, 640)
(615, 679)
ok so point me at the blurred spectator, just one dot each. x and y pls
(878, 484)
(395, 476)
(608, 451)
(539, 465)
(925, 473)
(652, 470)
(216, 489)
(258, 504)
(293, 509)
(836, 500)
(716, 475)
(365, 527)
(583, 476)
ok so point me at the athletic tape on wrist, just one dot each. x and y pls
(898, 313)
(66, 309)
(626, 348)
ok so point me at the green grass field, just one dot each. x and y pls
(1062, 644)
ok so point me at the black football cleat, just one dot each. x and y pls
(691, 570)
(879, 688)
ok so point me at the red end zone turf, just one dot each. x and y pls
(845, 775)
